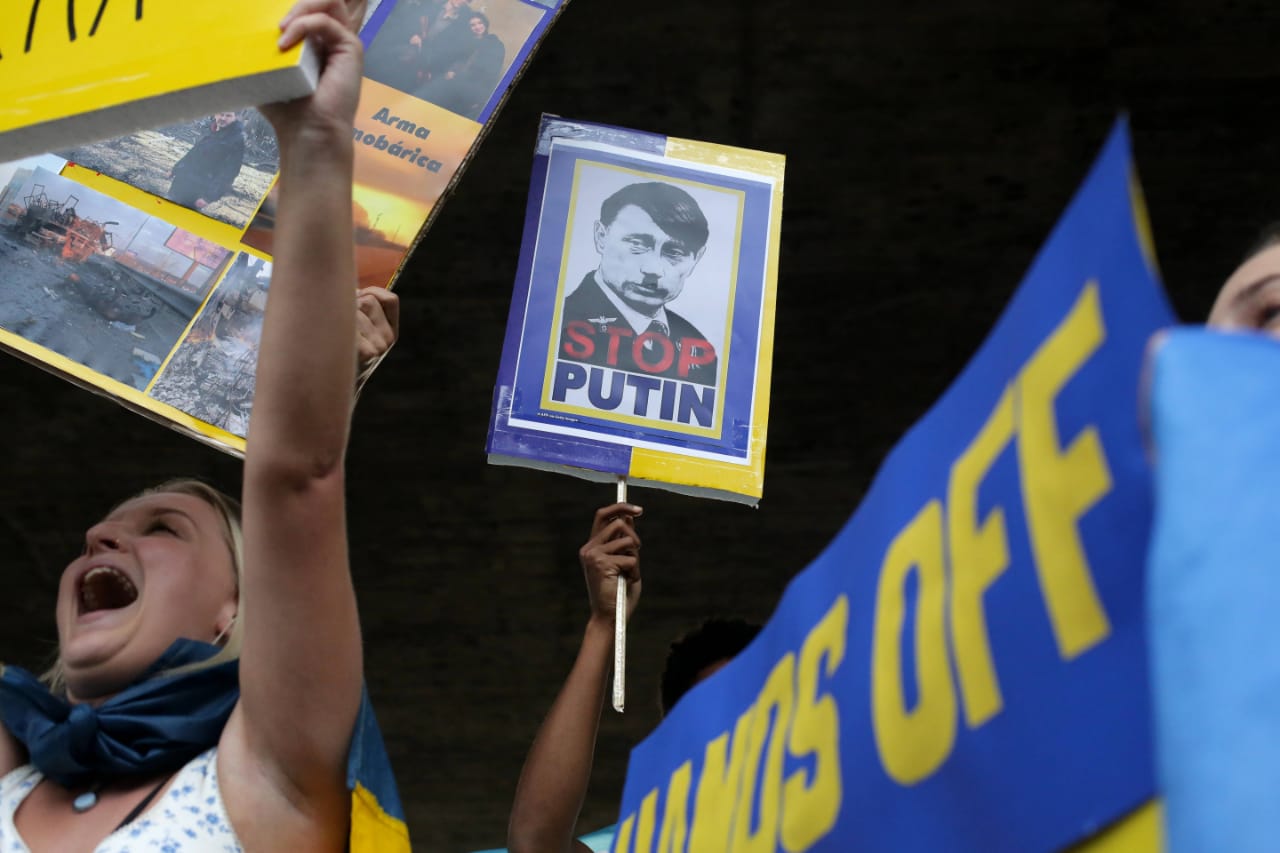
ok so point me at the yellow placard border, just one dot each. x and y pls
(740, 479)
(131, 397)
(227, 236)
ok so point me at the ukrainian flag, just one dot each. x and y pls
(377, 818)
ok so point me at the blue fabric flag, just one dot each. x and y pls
(377, 818)
(964, 668)
(1213, 589)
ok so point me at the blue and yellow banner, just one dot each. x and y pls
(377, 817)
(964, 668)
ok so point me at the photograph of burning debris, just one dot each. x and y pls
(93, 279)
(220, 165)
(210, 376)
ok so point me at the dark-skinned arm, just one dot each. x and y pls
(553, 783)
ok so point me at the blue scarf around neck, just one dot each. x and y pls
(158, 724)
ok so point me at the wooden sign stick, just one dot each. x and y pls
(620, 628)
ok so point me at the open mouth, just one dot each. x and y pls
(106, 588)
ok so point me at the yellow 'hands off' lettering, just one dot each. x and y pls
(718, 787)
(979, 555)
(675, 817)
(796, 812)
(912, 743)
(1058, 487)
(810, 808)
(778, 693)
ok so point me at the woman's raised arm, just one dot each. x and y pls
(300, 670)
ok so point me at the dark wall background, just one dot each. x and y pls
(931, 147)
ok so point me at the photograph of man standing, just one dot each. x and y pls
(209, 169)
(649, 236)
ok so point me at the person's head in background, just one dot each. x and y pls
(701, 653)
(223, 119)
(1250, 298)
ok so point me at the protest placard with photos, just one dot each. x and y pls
(139, 266)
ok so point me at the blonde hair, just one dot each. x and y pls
(228, 511)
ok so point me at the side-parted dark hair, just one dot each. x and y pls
(711, 642)
(482, 16)
(671, 208)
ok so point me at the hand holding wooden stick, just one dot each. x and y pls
(611, 566)
(620, 628)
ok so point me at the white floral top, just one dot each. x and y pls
(188, 818)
